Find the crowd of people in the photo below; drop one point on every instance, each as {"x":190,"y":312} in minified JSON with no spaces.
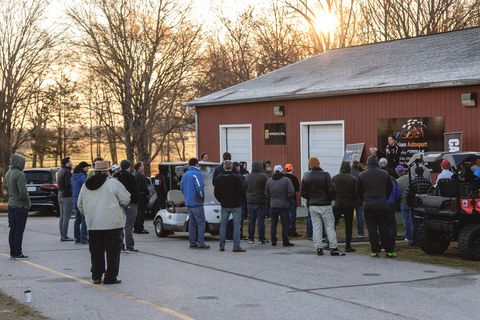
{"x":110,"y":204}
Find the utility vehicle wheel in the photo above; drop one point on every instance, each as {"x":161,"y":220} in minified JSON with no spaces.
{"x":431,"y":243}
{"x":159,"y":229}
{"x":469,"y":242}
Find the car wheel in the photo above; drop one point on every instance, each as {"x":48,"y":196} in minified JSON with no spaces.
{"x":431,"y":243}
{"x":159,"y":229}
{"x":469,"y":242}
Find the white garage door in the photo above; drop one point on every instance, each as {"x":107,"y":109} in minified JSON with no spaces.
{"x":325,"y":141}
{"x":238,"y":141}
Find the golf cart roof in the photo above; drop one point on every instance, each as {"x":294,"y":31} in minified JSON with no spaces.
{"x":457,"y":158}
{"x":427,"y":157}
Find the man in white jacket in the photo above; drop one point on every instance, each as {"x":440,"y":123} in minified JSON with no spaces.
{"x":101,"y":200}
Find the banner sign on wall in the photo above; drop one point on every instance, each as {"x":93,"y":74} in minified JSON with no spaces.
{"x":353,"y":152}
{"x":413,"y":135}
{"x":275,"y":133}
{"x":453,"y":141}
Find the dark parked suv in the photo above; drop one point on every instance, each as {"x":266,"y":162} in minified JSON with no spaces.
{"x":42,"y":189}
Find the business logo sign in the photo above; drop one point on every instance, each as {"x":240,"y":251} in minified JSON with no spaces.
{"x":453,"y":141}
{"x":275,"y":133}
{"x":413,"y":135}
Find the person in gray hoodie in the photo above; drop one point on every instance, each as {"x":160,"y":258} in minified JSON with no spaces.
{"x":279,"y":192}
{"x":18,"y":205}
{"x":254,"y":185}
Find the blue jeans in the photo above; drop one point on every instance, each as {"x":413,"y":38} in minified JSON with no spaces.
{"x":79,"y":227}
{"x":359,"y":214}
{"x":256,"y":213}
{"x":17,"y":219}
{"x":196,"y":226}
{"x":407,"y":221}
{"x":237,"y":220}
{"x":292,"y":219}
{"x":309,"y":225}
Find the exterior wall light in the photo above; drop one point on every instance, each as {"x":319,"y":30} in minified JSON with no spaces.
{"x":278,"y":111}
{"x":469,"y":99}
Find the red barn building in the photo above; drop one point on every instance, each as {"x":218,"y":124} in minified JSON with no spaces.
{"x":352,"y":95}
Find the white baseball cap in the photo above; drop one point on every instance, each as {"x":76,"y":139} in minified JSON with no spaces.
{"x":278,"y":168}
{"x":115,"y":167}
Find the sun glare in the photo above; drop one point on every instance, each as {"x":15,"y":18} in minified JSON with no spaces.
{"x":325,"y":22}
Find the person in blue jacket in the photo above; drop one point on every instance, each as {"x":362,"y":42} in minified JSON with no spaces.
{"x":193,"y":188}
{"x":393,"y":197}
{"x":78,"y":179}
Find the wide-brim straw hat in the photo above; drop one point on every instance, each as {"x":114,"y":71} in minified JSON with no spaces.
{"x":102,"y":166}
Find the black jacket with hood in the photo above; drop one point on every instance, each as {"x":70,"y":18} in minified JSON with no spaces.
{"x":229,"y":191}
{"x":318,"y":188}
{"x":374,"y":186}
{"x":254,"y":184}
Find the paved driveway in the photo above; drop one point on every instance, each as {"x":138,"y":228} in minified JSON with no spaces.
{"x":166,"y":280}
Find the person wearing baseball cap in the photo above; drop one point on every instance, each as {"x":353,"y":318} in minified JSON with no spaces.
{"x":292,"y":226}
{"x":115,"y":169}
{"x":101,"y":201}
{"x":446,"y":174}
{"x":79,"y":177}
{"x":279,"y":192}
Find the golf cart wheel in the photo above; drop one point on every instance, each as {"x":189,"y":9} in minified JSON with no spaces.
{"x":469,"y":242}
{"x":431,"y":243}
{"x":159,"y":229}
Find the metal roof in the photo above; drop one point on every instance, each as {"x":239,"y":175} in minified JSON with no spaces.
{"x":440,"y":60}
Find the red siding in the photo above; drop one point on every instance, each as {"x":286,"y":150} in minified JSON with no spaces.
{"x":360,"y":113}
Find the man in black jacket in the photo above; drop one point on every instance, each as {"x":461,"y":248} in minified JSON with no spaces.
{"x":319,"y":191}
{"x":160,"y":188}
{"x":229,"y":192}
{"x":374,"y":187}
{"x":292,"y":219}
{"x":255,"y":187}
{"x":219,"y":169}
{"x":143,"y":193}
{"x":345,"y":201}
{"x":128,"y":181}
{"x":65,"y":202}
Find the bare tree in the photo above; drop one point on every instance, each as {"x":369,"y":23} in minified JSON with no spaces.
{"x":146,"y":52}
{"x":394,"y":19}
{"x":26,"y":53}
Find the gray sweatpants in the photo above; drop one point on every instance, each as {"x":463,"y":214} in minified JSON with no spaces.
{"x":323,"y":215}
{"x":131,"y":214}
{"x":66,"y":206}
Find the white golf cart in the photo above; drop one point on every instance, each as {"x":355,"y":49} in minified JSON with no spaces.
{"x":175,"y":216}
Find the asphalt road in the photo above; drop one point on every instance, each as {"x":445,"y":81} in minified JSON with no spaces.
{"x":166,"y":280}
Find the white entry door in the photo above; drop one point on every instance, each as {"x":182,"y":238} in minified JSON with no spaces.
{"x":237,"y":139}
{"x":324,"y":140}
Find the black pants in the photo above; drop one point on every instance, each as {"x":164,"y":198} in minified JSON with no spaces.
{"x":17,"y":219}
{"x":141,"y":208}
{"x":377,"y":226}
{"x":274,"y":214}
{"x":101,"y":242}
{"x":348,"y":215}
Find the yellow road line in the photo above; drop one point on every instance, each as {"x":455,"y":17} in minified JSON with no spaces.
{"x":128,"y":296}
